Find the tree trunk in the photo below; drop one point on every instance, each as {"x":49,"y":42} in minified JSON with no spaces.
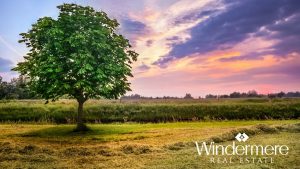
{"x":80,"y":117}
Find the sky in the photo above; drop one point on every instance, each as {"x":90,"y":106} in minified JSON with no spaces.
{"x":188,"y":46}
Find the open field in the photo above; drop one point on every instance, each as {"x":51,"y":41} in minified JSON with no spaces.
{"x":151,"y":110}
{"x":133,"y":145}
{"x":30,"y":137}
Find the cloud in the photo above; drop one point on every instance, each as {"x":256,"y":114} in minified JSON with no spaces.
{"x":130,"y":26}
{"x":239,"y":21}
{"x":143,"y":67}
{"x":215,"y":46}
{"x":287,"y":31}
{"x":163,"y":28}
{"x":149,"y":43}
{"x":132,"y":29}
{"x":289,"y":68}
{"x":5,"y":65}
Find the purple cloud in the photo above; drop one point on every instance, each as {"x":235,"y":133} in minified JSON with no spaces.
{"x":130,"y":26}
{"x":143,"y":67}
{"x":237,"y":22}
{"x":5,"y":65}
{"x":132,"y":29}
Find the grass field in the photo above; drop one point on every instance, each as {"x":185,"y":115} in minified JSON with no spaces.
{"x":123,"y":135}
{"x":154,"y":110}
{"x":134,"y":145}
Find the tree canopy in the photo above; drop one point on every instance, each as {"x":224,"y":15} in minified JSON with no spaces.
{"x":79,"y":54}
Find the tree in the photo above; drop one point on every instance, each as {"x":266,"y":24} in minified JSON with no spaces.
{"x":280,"y":94}
{"x":235,"y":95}
{"x":252,"y":93}
{"x":2,"y":89}
{"x":15,"y":89}
{"x":210,"y":96}
{"x":79,"y":54}
{"x":188,"y":96}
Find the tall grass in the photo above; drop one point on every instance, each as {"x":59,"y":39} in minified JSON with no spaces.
{"x":158,"y":110}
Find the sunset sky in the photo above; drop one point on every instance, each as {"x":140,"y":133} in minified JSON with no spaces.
{"x":189,"y":46}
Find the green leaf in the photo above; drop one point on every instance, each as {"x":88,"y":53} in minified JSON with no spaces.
{"x":67,"y":86}
{"x":82,"y":71}
{"x":88,"y":67}
{"x":49,"y":70}
{"x":78,"y":52}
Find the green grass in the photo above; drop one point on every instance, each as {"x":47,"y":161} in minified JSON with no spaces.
{"x":156,"y":110}
{"x":31,"y":139}
{"x":134,"y":145}
{"x":117,"y":131}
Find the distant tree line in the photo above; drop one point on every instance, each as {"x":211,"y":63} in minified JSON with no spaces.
{"x":249,"y":94}
{"x":253,"y":93}
{"x":16,"y":89}
{"x":137,"y":96}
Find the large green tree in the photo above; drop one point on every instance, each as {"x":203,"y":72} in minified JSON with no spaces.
{"x":79,"y":54}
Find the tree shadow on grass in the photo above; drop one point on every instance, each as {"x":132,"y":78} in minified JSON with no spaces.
{"x":66,"y":132}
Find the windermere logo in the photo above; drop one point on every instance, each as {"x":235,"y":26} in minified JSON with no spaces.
{"x":241,"y":153}
{"x":241,"y":137}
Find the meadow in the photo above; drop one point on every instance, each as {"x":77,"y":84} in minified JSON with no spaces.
{"x":161,"y":145}
{"x":150,"y":110}
{"x":143,"y":133}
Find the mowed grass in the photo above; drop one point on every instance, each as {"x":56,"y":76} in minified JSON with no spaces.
{"x":135,"y":145}
{"x":187,"y":157}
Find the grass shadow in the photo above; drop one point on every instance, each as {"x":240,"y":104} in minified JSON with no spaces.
{"x":67,"y":132}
